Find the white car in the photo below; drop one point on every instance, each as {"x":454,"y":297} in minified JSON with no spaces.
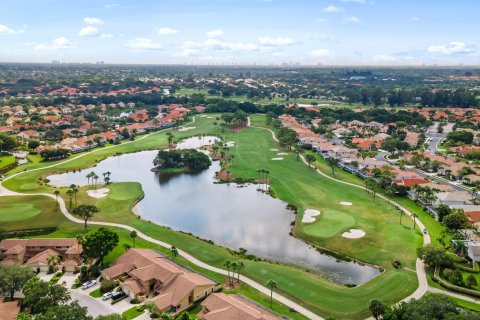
{"x":89,"y":284}
{"x":107,"y":296}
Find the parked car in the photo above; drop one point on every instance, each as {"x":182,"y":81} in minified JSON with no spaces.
{"x":107,"y":296}
{"x":89,"y":284}
{"x":118,"y":295}
{"x":425,"y":231}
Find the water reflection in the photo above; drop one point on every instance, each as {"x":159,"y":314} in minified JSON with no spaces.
{"x":237,"y":217}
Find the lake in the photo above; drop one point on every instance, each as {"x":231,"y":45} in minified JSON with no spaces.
{"x":232,"y":215}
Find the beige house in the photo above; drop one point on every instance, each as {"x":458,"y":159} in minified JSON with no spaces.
{"x":220,"y":306}
{"x":153,"y":276}
{"x":36,"y":253}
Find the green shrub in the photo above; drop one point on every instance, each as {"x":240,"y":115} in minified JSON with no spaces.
{"x":107,"y":285}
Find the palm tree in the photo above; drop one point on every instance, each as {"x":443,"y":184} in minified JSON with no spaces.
{"x":240,"y":267}
{"x":310,"y":158}
{"x":133,"y":235}
{"x":299,"y":151}
{"x":174,"y":251}
{"x":234,"y":266}
{"x":95,"y":177}
{"x":414,"y":220}
{"x":74,"y":192}
{"x":70,"y":197}
{"x":170,"y":138}
{"x":271,"y":284}
{"x":126,"y":246}
{"x":228,"y":264}
{"x":85,"y":212}
{"x":56,"y":193}
{"x":88,"y":176}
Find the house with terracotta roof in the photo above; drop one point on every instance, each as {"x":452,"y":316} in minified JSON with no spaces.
{"x":220,"y":306}
{"x":36,"y":252}
{"x":154,"y":277}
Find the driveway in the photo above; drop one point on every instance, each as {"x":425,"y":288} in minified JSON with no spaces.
{"x":96,"y":306}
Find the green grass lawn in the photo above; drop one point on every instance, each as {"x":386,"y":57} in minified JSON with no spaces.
{"x":132,"y":313}
{"x":96,"y":293}
{"x":28,"y":212}
{"x":5,"y":162}
{"x":291,"y":181}
{"x":465,"y":304}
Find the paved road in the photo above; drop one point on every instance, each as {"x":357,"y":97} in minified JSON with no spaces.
{"x":434,"y":138}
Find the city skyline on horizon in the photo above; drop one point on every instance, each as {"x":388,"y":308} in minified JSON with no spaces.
{"x":232,"y":32}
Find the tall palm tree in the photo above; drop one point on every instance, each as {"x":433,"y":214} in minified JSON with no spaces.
{"x":133,"y":235}
{"x":70,"y":197}
{"x":228,"y":264}
{"x":271,"y":284}
{"x":234,"y":266}
{"x":95,"y":177}
{"x":75,"y":190}
{"x":88,"y":176}
{"x":240,"y":267}
{"x":414,"y":220}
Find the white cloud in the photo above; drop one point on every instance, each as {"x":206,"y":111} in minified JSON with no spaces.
{"x":143,"y":44}
{"x":233,"y":46}
{"x":106,"y":36}
{"x":88,"y":31}
{"x":57,"y":43}
{"x":279,"y":41}
{"x":89,"y":20}
{"x":384,"y":58}
{"x":354,"y":20}
{"x":214,"y":33}
{"x":7,"y":30}
{"x":279,"y":54}
{"x":166,"y":31}
{"x":332,"y":9}
{"x":454,"y":47}
{"x":321,"y":53}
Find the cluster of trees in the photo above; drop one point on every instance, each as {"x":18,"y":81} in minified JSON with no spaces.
{"x":460,"y":137}
{"x":235,"y":120}
{"x":7,"y":142}
{"x":189,"y":158}
{"x":393,"y":145}
{"x":287,"y":137}
{"x":426,"y":97}
{"x":54,"y":154}
{"x":430,"y":306}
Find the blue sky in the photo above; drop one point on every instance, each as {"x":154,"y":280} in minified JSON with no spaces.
{"x":345,"y":32}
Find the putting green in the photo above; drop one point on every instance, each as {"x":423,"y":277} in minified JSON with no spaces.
{"x":18,"y":212}
{"x":29,"y":186}
{"x":329,"y":223}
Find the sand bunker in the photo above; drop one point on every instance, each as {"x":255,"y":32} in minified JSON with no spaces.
{"x":282,"y":154}
{"x":309,"y":215}
{"x":230,"y":144}
{"x":354,"y":234}
{"x":277,"y":159}
{"x":344,"y":203}
{"x":98,"y":193}
{"x":273,"y":149}
{"x":186,"y":128}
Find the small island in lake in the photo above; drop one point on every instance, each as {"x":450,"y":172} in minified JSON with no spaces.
{"x":177,"y":161}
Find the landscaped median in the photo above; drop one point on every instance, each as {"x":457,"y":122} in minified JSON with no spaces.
{"x":291,"y":181}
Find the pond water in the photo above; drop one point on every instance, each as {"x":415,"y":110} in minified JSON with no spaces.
{"x":236,"y":216}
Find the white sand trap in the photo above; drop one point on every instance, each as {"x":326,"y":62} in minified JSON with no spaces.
{"x":309,"y":215}
{"x":98,"y":193}
{"x":354,"y":234}
{"x":209,"y":117}
{"x":282,"y":154}
{"x":344,"y":203}
{"x":186,"y":128}
{"x":203,"y":116}
{"x":230,"y":144}
{"x":277,"y":159}
{"x":273,"y":149}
